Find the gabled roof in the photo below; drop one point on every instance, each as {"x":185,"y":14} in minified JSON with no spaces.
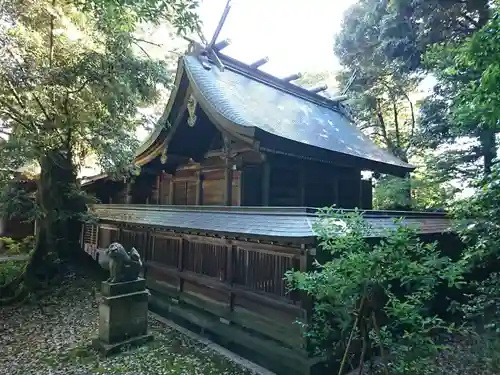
{"x":278,"y":116}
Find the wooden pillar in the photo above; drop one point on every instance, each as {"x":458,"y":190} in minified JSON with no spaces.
{"x":266,"y":182}
{"x":171,"y":190}
{"x":302,"y":184}
{"x":2,"y":229}
{"x":228,"y":175}
{"x":128,"y":192}
{"x":198,"y":188}
{"x":158,"y":188}
{"x":336,"y":185}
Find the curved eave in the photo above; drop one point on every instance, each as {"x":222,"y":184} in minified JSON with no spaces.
{"x":154,"y":145}
{"x":267,"y":142}
{"x":240,"y":130}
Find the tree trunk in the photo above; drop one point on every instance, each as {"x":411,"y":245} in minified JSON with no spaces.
{"x":61,"y":205}
{"x":488,"y":148}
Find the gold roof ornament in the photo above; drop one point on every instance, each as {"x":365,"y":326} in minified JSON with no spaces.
{"x":164,"y":158}
{"x":191,"y":108}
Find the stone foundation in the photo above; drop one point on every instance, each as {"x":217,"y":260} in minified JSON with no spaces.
{"x":123,"y":316}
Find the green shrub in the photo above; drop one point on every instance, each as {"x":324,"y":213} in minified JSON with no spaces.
{"x":479,"y":216}
{"x":18,"y":247}
{"x":374,"y":300}
{"x":10,"y":270}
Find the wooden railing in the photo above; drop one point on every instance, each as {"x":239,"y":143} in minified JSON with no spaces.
{"x":225,"y":280}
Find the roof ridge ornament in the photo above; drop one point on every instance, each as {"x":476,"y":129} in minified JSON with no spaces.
{"x":206,"y":51}
{"x":259,"y":63}
{"x":292,"y":77}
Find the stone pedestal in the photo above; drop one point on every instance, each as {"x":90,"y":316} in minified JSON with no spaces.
{"x":123,"y":316}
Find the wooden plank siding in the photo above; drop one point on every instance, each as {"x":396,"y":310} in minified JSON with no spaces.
{"x":234,"y":283}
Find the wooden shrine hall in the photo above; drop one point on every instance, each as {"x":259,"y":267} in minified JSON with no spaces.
{"x":220,"y":210}
{"x":241,"y":137}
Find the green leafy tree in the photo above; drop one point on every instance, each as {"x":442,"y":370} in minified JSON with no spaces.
{"x":430,"y":191}
{"x":71,"y":84}
{"x":379,"y":296}
{"x":435,"y":34}
{"x":310,"y":80}
{"x":381,"y":92}
{"x":479,"y":229}
{"x":393,"y":45}
{"x":470,"y":71}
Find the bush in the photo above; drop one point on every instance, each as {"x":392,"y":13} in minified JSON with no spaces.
{"x":374,"y":300}
{"x":479,"y":216}
{"x":10,"y":270}
{"x":18,"y":247}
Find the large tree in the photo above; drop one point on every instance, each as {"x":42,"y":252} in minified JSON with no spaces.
{"x":465,"y":102}
{"x":381,"y":92}
{"x":431,"y":35}
{"x":71,"y":83}
{"x":392,"y":45}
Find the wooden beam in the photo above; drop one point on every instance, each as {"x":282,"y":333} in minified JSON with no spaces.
{"x":219,"y":46}
{"x":318,"y":89}
{"x":218,"y":29}
{"x":292,"y":77}
{"x":259,"y":63}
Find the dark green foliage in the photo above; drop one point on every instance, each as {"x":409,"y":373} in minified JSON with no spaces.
{"x":480,"y":231}
{"x":10,"y":270}
{"x":393,"y":45}
{"x":71,"y":85}
{"x":381,"y":294}
{"x":13,"y":247}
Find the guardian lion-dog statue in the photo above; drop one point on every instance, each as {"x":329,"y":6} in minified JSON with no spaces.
{"x":123,"y":266}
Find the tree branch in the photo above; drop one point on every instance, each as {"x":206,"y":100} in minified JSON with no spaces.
{"x":471,"y":20}
{"x":146,"y":41}
{"x":14,"y":92}
{"x":142,"y":49}
{"x":396,"y":123}
{"x":41,"y":107}
{"x":381,"y":120}
{"x":51,"y":36}
{"x":80,"y":88}
{"x":16,"y":119}
{"x":413,"y":122}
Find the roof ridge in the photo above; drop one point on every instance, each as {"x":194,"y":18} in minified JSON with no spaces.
{"x":256,"y":74}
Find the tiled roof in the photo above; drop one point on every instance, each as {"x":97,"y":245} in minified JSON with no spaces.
{"x":275,"y":222}
{"x":253,"y":103}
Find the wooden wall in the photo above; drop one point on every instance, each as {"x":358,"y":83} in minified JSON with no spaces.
{"x":257,"y":180}
{"x":196,"y":184}
{"x":279,"y":181}
{"x":286,"y":181}
{"x":231,"y":288}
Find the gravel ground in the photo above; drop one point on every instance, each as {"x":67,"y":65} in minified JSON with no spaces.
{"x":54,"y":337}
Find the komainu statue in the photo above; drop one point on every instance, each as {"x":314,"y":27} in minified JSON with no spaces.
{"x":123,"y":265}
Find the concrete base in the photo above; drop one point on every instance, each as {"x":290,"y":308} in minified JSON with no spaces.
{"x":123,"y":316}
{"x":109,"y":349}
